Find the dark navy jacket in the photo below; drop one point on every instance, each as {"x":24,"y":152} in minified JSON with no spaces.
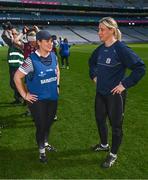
{"x":109,"y":65}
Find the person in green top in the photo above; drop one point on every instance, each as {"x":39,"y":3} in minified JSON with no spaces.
{"x":15,"y":58}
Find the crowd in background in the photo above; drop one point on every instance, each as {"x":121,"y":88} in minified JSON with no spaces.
{"x":21,"y":45}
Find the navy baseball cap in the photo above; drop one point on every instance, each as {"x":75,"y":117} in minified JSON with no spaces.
{"x":43,"y":35}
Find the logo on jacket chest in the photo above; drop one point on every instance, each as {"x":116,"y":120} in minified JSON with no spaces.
{"x":108,"y":60}
{"x":42,"y":74}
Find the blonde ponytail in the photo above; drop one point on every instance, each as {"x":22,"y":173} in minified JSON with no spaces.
{"x":118,"y":34}
{"x":112,"y":24}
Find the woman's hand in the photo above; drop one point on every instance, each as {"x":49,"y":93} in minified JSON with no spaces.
{"x":95,"y":80}
{"x":118,"y":89}
{"x":30,"y":97}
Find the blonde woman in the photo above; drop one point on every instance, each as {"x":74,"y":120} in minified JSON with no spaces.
{"x":107,"y":66}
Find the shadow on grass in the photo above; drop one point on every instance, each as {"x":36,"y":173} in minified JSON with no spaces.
{"x":9,"y":104}
{"x":15,"y":121}
{"x":23,"y":163}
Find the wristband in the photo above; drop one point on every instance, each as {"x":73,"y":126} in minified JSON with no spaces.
{"x":58,"y":86}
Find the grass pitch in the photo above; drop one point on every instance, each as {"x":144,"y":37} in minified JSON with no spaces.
{"x":75,"y":130}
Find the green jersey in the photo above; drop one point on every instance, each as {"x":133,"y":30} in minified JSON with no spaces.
{"x":15,"y":56}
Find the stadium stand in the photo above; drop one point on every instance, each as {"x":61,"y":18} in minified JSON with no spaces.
{"x":64,"y":31}
{"x":77,"y":20}
{"x":132,"y":33}
{"x":88,"y":3}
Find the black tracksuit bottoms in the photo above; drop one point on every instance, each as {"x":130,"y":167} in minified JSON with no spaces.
{"x":43,"y":113}
{"x":66,"y":59}
{"x":111,"y":106}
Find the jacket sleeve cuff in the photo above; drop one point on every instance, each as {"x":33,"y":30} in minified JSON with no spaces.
{"x":126,"y":83}
{"x":92,"y":76}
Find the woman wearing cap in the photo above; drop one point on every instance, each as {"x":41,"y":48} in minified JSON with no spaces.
{"x":42,"y":79}
{"x":107,"y":66}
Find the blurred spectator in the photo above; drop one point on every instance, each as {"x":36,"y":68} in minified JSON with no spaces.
{"x":60,"y":42}
{"x":30,"y":46}
{"x":30,"y":41}
{"x":1,"y":43}
{"x":15,"y":55}
{"x":55,"y":44}
{"x":65,"y":53}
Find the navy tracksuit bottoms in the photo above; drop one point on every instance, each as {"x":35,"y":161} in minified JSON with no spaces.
{"x":111,"y":106}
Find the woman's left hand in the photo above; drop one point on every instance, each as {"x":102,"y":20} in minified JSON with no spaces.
{"x":118,"y":89}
